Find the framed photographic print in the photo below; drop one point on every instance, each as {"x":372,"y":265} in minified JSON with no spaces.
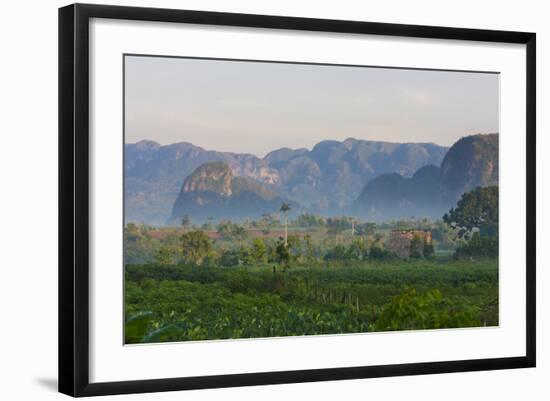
{"x":250,"y":199}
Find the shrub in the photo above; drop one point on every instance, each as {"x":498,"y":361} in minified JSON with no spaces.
{"x":479,"y":246}
{"x":412,"y":311}
{"x":376,"y":252}
{"x":196,"y":247}
{"x":416,"y":247}
{"x":259,"y":250}
{"x":164,"y":256}
{"x":428,"y":249}
{"x":283,"y":253}
{"x":229,"y":258}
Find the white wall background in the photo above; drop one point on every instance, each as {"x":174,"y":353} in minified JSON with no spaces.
{"x":28,"y":201}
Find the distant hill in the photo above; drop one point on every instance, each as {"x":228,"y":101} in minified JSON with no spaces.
{"x":330,"y":176}
{"x":471,"y":162}
{"x":212,"y":191}
{"x":154,"y":175}
{"x":326,"y":179}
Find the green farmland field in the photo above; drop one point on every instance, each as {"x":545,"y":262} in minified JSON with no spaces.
{"x":207,"y":302}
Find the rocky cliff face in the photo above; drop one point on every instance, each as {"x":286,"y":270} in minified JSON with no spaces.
{"x":471,"y":162}
{"x":210,"y":177}
{"x":212,"y":190}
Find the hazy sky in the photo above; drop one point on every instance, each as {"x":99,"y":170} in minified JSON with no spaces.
{"x":257,"y":107}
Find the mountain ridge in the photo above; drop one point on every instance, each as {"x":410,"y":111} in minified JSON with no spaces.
{"x":327,"y":178}
{"x":471,"y":162}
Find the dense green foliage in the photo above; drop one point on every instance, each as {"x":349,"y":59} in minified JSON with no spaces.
{"x":412,"y":311}
{"x":185,"y":302}
{"x":475,"y":219}
{"x":477,"y":210}
{"x":479,"y":246}
{"x":196,"y":247}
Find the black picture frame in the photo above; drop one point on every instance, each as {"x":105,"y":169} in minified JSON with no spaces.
{"x":74,"y":198}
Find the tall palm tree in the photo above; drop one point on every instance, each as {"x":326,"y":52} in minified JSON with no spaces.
{"x":285,"y":208}
{"x":185,"y":221}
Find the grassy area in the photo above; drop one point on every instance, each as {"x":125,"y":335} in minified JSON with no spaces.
{"x":179,"y":303}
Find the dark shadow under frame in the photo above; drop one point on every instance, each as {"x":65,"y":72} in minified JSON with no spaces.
{"x":74,"y":199}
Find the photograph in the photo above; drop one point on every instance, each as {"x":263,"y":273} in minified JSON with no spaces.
{"x":274,"y":198}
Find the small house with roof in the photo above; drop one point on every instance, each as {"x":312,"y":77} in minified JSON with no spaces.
{"x":399,"y":241}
